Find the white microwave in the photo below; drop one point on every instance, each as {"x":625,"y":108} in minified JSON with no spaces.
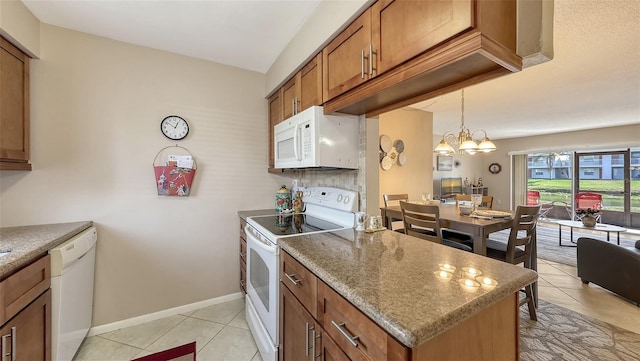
{"x":311,"y":139}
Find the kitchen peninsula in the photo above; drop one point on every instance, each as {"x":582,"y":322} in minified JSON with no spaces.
{"x":406,"y":287}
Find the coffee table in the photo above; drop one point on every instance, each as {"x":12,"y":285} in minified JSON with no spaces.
{"x":601,"y":227}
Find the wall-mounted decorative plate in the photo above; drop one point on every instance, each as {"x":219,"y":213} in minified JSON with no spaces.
{"x":385,"y":143}
{"x":399,"y":145}
{"x":386,"y":163}
{"x":402,"y":159}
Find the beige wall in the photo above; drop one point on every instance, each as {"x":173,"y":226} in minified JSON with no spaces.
{"x":587,"y":140}
{"x":329,"y":18}
{"x":96,"y":108}
{"x":415,"y":128}
{"x":20,"y":26}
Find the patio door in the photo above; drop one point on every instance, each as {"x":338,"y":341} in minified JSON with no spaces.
{"x":609,"y":174}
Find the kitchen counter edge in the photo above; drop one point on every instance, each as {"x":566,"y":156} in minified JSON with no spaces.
{"x":29,"y":242}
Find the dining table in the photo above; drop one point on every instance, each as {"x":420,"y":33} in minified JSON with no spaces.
{"x":478,"y":227}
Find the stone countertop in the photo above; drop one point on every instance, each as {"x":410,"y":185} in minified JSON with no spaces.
{"x":261,"y":212}
{"x":392,"y":278}
{"x":28,"y":242}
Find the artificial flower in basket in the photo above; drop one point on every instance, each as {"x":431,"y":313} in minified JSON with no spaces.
{"x":588,"y":216}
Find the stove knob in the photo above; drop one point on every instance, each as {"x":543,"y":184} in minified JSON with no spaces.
{"x":346,"y":200}
{"x":339,"y":197}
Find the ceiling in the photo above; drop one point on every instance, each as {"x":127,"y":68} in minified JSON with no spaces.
{"x":593,"y":80}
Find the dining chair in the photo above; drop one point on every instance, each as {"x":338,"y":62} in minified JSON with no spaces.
{"x":487,"y":201}
{"x":423,"y":221}
{"x":463,"y":197}
{"x":518,"y":248}
{"x":394,"y":200}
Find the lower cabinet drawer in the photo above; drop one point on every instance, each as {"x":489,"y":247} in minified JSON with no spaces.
{"x":24,"y":286}
{"x":300,"y":281}
{"x":357,"y":335}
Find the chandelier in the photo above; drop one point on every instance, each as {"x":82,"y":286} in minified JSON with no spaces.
{"x":465,"y":142}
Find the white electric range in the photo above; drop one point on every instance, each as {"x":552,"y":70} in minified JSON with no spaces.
{"x":326,"y":209}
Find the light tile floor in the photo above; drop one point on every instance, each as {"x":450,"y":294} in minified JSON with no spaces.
{"x":221,"y":331}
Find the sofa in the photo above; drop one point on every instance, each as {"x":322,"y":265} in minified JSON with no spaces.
{"x":610,"y":266}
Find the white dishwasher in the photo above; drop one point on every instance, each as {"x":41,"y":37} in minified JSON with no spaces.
{"x":72,"y":270}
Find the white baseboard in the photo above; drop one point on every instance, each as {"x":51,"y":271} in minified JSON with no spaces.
{"x":96,"y":330}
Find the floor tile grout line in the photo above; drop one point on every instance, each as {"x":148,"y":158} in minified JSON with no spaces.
{"x":121,"y":343}
{"x":169,"y":330}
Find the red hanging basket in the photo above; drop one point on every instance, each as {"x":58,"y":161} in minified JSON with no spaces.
{"x":172,"y":180}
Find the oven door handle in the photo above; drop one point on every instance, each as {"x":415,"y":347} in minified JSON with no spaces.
{"x":253,"y":240}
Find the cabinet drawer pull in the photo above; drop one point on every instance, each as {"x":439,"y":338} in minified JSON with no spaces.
{"x":371,"y":52}
{"x":351,"y":339}
{"x":13,"y":345}
{"x":306,"y":338}
{"x":362,"y":65}
{"x":313,"y":347}
{"x":292,"y":278}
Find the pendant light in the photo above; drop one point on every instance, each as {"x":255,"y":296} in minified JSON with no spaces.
{"x":464,"y":141}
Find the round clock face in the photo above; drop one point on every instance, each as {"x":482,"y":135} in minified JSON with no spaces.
{"x":174,"y":127}
{"x":495,"y":168}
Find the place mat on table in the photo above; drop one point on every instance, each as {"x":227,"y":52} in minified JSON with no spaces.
{"x":489,"y":213}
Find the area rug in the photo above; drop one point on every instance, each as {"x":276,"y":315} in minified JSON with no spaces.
{"x":562,"y":334}
{"x":186,"y":352}
{"x":548,"y":248}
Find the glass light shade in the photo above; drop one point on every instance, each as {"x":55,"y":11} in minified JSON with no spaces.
{"x":444,"y":148}
{"x":487,"y":146}
{"x":469,"y":146}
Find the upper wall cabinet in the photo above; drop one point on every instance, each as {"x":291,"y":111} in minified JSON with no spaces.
{"x":275,"y":117}
{"x":422,"y":49}
{"x":14,"y":108}
{"x":404,"y":29}
{"x":304,"y":89}
{"x":310,"y":89}
{"x":346,"y":59}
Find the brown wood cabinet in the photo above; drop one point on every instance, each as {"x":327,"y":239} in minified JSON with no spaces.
{"x":301,"y":336}
{"x":424,"y":49}
{"x":354,"y":333}
{"x":25,"y":312}
{"x":275,"y":117}
{"x":310,"y":80}
{"x":314,"y":317}
{"x":14,"y":108}
{"x":402,"y":29}
{"x":29,"y":332}
{"x":243,"y":257}
{"x":346,"y":60}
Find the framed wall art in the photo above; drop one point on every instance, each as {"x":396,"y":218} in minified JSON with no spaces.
{"x":445,"y":162}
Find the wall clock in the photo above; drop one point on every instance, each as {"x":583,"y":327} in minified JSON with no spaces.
{"x":174,"y":127}
{"x":495,"y":168}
